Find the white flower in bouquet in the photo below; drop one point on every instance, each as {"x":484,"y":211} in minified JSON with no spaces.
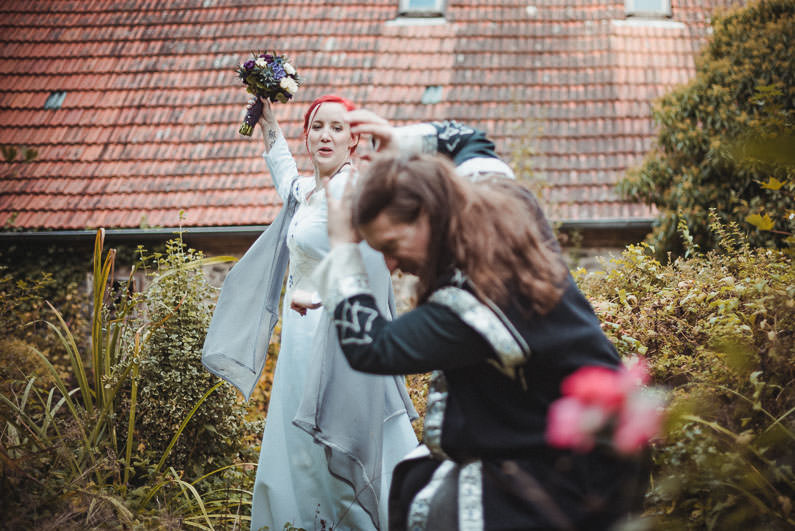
{"x":288,"y":84}
{"x":261,"y":62}
{"x":289,"y":69}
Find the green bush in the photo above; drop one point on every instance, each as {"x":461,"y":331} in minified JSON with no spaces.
{"x":70,"y":454}
{"x":718,"y":330}
{"x":172,"y":378}
{"x":710,"y":131}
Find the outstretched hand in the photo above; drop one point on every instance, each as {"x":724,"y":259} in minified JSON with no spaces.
{"x":340,"y":215}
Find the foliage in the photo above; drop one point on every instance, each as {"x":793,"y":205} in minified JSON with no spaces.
{"x":66,"y":453}
{"x":172,"y":378}
{"x":725,"y":135}
{"x":31,"y":275}
{"x":719,"y":330}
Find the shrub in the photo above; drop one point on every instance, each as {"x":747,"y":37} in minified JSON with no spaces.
{"x":742,"y":94}
{"x":172,"y":378}
{"x":67,"y":449}
{"x":718,"y":329}
{"x":31,"y":275}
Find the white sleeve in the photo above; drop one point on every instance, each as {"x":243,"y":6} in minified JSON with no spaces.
{"x":340,"y":275}
{"x":281,"y":164}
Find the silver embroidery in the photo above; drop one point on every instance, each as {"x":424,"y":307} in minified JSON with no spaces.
{"x":452,"y":133}
{"x":434,"y":413}
{"x":486,"y":323}
{"x":420,"y":507}
{"x":345,"y":288}
{"x":350,"y":329}
{"x":470,"y":497}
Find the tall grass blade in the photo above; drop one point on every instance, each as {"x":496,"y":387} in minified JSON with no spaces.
{"x":217,"y":470}
{"x":195,"y":264}
{"x":182,"y":426}
{"x":133,"y":402}
{"x":59,"y":383}
{"x":99,"y":293}
{"x":70,"y":344}
{"x":97,"y":322}
{"x":187,"y":486}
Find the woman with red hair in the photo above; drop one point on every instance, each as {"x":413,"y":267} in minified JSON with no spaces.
{"x":332,"y":435}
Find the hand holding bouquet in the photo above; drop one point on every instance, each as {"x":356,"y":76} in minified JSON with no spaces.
{"x":266,"y":76}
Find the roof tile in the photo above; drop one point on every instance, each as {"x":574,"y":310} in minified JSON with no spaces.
{"x":149,"y":122}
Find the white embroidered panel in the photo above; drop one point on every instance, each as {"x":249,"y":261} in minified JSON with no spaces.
{"x":470,"y":497}
{"x":435,"y":405}
{"x":420,"y":508}
{"x":484,"y":321}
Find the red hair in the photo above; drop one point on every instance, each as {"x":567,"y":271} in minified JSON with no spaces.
{"x":325,"y":98}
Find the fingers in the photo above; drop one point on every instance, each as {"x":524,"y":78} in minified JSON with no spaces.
{"x":380,"y":131}
{"x":364,"y":122}
{"x":350,"y":188}
{"x":360,"y":116}
{"x":339,"y":221}
{"x":298,"y":308}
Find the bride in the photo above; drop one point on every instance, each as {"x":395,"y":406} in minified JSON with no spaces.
{"x":332,"y":435}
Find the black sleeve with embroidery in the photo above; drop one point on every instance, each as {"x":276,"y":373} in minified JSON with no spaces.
{"x":461,"y":142}
{"x":427,"y":338}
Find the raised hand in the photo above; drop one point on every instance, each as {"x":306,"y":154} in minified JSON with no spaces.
{"x":364,"y":122}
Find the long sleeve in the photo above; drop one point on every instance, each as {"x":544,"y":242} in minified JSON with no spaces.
{"x":469,"y":148}
{"x":281,"y":164}
{"x":427,"y":338}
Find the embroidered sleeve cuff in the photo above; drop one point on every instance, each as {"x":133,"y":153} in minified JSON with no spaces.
{"x":341,"y":275}
{"x":417,"y":138}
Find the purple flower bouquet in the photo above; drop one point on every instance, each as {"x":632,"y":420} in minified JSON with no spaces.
{"x":270,"y":76}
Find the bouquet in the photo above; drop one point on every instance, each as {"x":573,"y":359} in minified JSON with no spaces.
{"x":266,"y":76}
{"x":600,"y":401}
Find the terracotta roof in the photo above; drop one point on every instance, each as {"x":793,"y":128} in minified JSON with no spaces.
{"x":151,"y":104}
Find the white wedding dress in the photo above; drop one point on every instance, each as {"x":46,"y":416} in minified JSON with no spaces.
{"x":293,"y":483}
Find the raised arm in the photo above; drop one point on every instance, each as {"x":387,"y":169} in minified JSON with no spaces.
{"x":280,"y":161}
{"x":470,"y":149}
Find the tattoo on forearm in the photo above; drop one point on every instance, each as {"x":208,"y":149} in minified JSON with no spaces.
{"x":271,"y":138}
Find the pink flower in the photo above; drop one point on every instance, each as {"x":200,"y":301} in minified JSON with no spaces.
{"x":598,"y":386}
{"x":597,"y":397}
{"x":639,"y":421}
{"x":634,"y":373}
{"x":572,"y":424}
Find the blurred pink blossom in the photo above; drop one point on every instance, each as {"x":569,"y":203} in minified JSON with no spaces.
{"x":598,"y":386}
{"x":596,"y":398}
{"x":572,"y":424}
{"x":639,"y":421}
